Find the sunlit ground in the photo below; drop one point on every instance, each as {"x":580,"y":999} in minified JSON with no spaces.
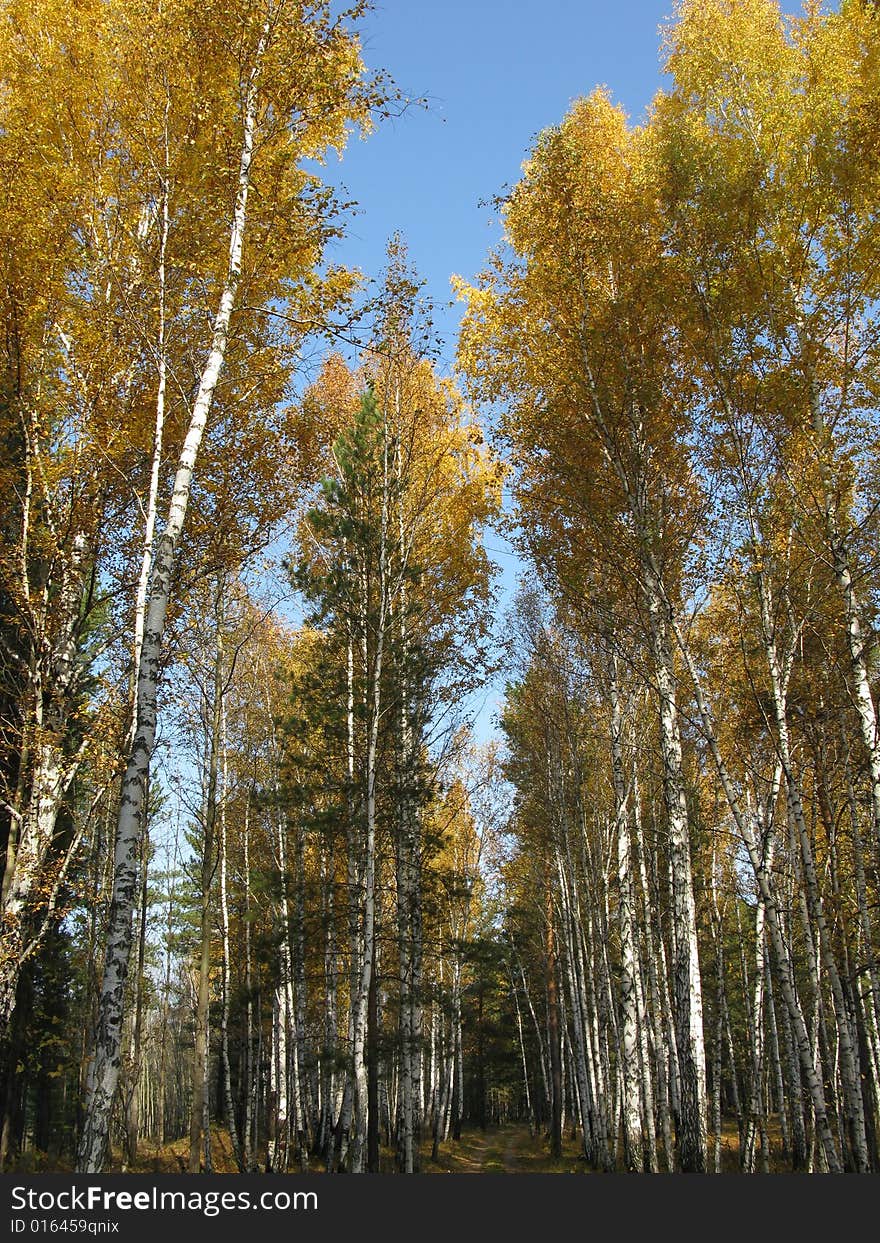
{"x":508,"y":1149}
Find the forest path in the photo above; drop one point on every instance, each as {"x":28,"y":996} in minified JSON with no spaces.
{"x":507,"y":1149}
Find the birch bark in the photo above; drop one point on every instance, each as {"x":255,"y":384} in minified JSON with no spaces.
{"x":629,"y":1050}
{"x":808,"y":1060}
{"x":52,"y":678}
{"x":688,"y":1009}
{"x":104,"y":1072}
{"x":375,"y":628}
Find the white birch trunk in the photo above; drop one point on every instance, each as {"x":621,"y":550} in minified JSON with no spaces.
{"x":542,"y":1056}
{"x":152,"y":507}
{"x":664,"y":1054}
{"x":359,"y":1049}
{"x":633,"y":1145}
{"x":840,"y":549}
{"x":848,"y":1053}
{"x":865,"y":923}
{"x":688,"y":1007}
{"x":32,"y":828}
{"x":522,"y":1049}
{"x":580,"y":1054}
{"x":279,"y":1121}
{"x":755,"y":1122}
{"x":808,"y":1060}
{"x":375,"y":620}
{"x":104,"y":1072}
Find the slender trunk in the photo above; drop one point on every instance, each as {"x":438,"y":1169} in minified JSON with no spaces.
{"x":251,"y":1070}
{"x":135,"y":1056}
{"x":228,"y":1099}
{"x":359,"y":1049}
{"x":303,"y":1084}
{"x":649,"y":1144}
{"x":776,"y":1059}
{"x":374,"y":621}
{"x":688,"y":1001}
{"x":664,"y":1055}
{"x":278,"y":1116}
{"x":580,"y":1059}
{"x":755,"y":1122}
{"x":151,"y":509}
{"x":522,"y":1050}
{"x":201,"y":1051}
{"x":30,"y":882}
{"x":457,"y":1106}
{"x":553,"y":1034}
{"x":848,"y":1054}
{"x":166,"y":1004}
{"x":331,"y":985}
{"x":839,"y":546}
{"x":865,"y":920}
{"x":801,"y":1035}
{"x":372,"y":1164}
{"x":717,"y":1062}
{"x":105,"y":1064}
{"x":542,"y":1057}
{"x":354,"y":878}
{"x":633,"y":1148}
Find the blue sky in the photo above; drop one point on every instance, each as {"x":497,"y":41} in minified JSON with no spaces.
{"x":494,"y":74}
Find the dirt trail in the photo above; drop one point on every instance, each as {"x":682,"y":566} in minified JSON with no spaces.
{"x":504,"y":1150}
{"x":508,"y":1149}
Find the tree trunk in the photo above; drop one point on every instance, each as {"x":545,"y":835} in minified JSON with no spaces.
{"x":201,"y":1050}
{"x":855,"y":1121}
{"x":251,"y":1072}
{"x":553,"y":1033}
{"x":664,"y":1055}
{"x":801,"y":1035}
{"x":132,"y":1122}
{"x":29,"y":879}
{"x":688,"y":1007}
{"x":104,"y":1072}
{"x":633,"y":1146}
{"x":228,"y":1099}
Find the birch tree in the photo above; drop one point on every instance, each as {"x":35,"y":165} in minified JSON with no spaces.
{"x":311,"y":105}
{"x":570,"y":329}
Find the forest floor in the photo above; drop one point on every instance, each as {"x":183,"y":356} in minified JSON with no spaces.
{"x":507,"y":1149}
{"x":511,"y":1149}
